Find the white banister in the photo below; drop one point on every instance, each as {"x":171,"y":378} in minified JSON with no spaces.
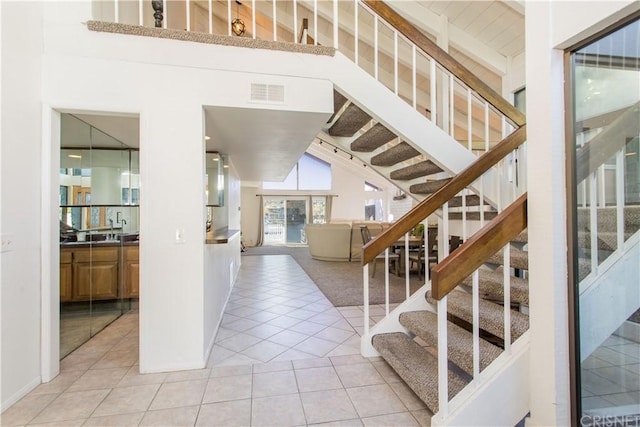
{"x":486,"y":127}
{"x":140,"y":13}
{"x":395,"y":62}
{"x":355,"y":31}
{"x":315,"y":22}
{"x":375,"y":46}
{"x":275,"y":22}
{"x":116,"y":10}
{"x":209,"y":8}
{"x":228,"y":17}
{"x":452,"y":97}
{"x":166,"y":14}
{"x":295,"y":21}
{"x":386,"y":281}
{"x":603,"y":188}
{"x":414,"y":86}
{"x":253,"y":20}
{"x":432,"y":90}
{"x":469,"y":119}
{"x":335,"y":24}
{"x":406,"y":265}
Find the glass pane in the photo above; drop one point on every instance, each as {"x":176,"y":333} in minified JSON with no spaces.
{"x":273,"y":221}
{"x":606,"y":79}
{"x":296,"y":220}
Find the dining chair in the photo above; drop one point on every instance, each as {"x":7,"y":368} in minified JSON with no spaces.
{"x":425,"y":254}
{"x":393,"y":257}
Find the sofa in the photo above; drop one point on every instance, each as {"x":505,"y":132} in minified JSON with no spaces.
{"x":339,"y":240}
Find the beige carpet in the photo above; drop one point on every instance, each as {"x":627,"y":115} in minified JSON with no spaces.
{"x":341,"y":282}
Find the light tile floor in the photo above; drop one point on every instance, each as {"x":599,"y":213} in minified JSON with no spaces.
{"x":284,"y":356}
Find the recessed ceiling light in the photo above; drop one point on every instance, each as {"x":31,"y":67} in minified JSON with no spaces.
{"x":75,"y":156}
{"x":207,"y":137}
{"x":632,"y":153}
{"x":215,"y":159}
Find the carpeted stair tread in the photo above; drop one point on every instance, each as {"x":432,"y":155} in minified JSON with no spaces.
{"x":491,"y":287}
{"x":373,"y":138}
{"x":428,"y":187}
{"x":470,"y":200}
{"x":519,"y":259}
{"x":584,"y":268}
{"x":394,"y":155}
{"x":350,"y":121}
{"x":523,"y":237}
{"x":459,"y":304}
{"x":416,"y":366}
{"x":607,"y":240}
{"x":474,"y":215}
{"x":338,"y":102}
{"x":416,"y":170}
{"x":424,"y":324}
{"x":607,"y":218}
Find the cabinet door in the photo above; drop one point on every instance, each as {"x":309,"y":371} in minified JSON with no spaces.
{"x":65,"y":282}
{"x":131,"y":272}
{"x":95,"y":281}
{"x":65,"y":275}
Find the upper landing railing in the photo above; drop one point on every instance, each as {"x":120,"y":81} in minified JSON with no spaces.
{"x":368,"y":32}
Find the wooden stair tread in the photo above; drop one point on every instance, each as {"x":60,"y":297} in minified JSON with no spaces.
{"x":350,"y":121}
{"x":416,"y":366}
{"x":416,"y":170}
{"x":373,"y":138}
{"x":459,"y":304}
{"x":394,"y":155}
{"x":424,"y":324}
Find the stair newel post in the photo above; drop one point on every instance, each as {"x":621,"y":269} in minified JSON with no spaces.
{"x":158,"y":10}
{"x":476,"y":323}
{"x":443,"y":366}
{"x":506,"y":278}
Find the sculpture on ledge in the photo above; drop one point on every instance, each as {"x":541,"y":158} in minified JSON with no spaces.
{"x":158,"y":10}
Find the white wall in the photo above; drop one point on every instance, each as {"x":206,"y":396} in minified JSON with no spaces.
{"x":20,"y":204}
{"x":551,"y":25}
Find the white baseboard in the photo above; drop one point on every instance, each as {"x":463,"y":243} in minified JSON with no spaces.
{"x":6,"y":404}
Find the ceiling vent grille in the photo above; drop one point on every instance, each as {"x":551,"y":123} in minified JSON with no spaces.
{"x":261,"y":92}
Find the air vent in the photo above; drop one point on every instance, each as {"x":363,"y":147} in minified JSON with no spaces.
{"x":261,"y":92}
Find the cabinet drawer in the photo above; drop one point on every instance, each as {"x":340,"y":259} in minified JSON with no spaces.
{"x":96,"y":255}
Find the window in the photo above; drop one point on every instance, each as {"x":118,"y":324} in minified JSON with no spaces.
{"x":310,"y":173}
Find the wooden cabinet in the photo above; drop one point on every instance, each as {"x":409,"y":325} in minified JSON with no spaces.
{"x":97,"y":273}
{"x":65,"y":275}
{"x":131,"y":288}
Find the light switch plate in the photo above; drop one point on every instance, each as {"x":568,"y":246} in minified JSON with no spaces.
{"x":180,"y":235}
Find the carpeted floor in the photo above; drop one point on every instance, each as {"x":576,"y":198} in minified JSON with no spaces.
{"x":341,"y":282}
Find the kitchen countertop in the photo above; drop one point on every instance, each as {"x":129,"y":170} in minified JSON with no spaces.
{"x":99,"y":243}
{"x":221,"y":236}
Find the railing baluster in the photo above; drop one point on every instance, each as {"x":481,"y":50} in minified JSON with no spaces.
{"x":275,"y":22}
{"x":228,"y":17}
{"x":210,"y":7}
{"x":375,"y":46}
{"x":475,"y":301}
{"x":386,"y":281}
{"x":593,"y":208}
{"x":365,"y":291}
{"x":406,"y":264}
{"x":116,"y":10}
{"x":432,"y":89}
{"x":315,"y":22}
{"x":188,"y":15}
{"x":166,"y":14}
{"x":395,"y":62}
{"x":355,"y":30}
{"x":443,"y":369}
{"x":452,"y":121}
{"x":469,"y":119}
{"x":506,"y":278}
{"x":486,"y":127}
{"x":414,"y":76}
{"x":253,"y":20}
{"x":295,"y":21}
{"x":140,"y":13}
{"x":481,"y":201}
{"x":335,"y":24}
{"x":603,"y":189}
{"x":620,"y":198}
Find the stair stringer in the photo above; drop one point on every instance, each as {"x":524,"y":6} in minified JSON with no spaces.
{"x":391,"y":323}
{"x":407,"y":123}
{"x":482,"y":401}
{"x":611,"y":284}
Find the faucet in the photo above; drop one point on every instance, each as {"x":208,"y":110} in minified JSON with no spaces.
{"x":111,"y":235}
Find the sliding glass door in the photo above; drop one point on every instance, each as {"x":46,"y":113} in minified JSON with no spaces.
{"x":284,"y":220}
